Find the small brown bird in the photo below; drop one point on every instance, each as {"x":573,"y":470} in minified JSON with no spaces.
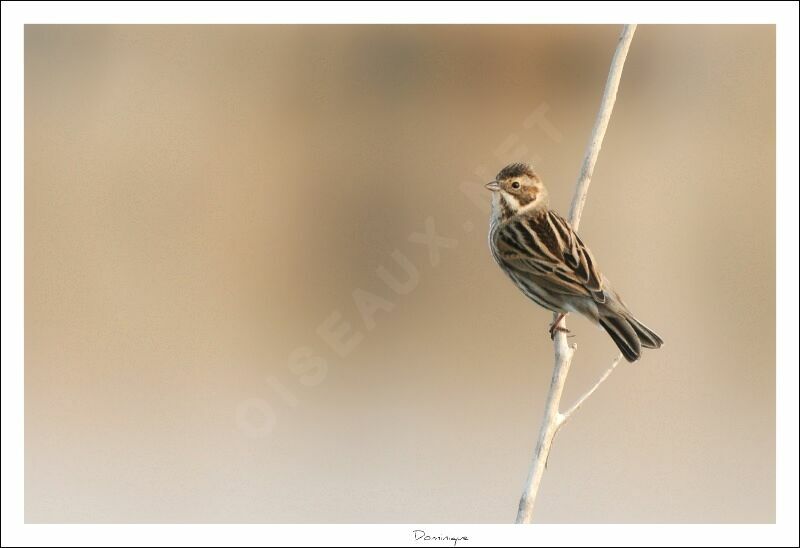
{"x":547,"y":260}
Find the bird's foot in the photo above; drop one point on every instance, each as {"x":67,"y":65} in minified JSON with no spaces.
{"x":555,"y":328}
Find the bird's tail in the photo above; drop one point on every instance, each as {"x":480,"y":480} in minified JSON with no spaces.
{"x":629,"y":334}
{"x":647,"y":336}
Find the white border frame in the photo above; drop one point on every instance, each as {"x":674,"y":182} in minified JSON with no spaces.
{"x":15,"y":15}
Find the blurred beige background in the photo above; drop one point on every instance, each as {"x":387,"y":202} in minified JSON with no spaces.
{"x":200,"y":200}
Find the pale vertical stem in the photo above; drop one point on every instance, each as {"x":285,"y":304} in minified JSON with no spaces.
{"x":600,"y":125}
{"x":550,"y":423}
{"x":553,"y":419}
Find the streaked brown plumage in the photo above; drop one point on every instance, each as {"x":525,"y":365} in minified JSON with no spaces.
{"x":550,"y":264}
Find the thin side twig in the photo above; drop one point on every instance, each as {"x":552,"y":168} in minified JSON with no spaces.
{"x":564,"y":352}
{"x":568,"y":413}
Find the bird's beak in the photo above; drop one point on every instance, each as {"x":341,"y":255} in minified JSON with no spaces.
{"x":493,"y":186}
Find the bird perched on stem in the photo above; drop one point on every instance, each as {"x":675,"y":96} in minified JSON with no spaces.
{"x":550,"y":264}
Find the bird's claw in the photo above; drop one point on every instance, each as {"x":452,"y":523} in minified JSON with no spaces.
{"x":555,"y":329}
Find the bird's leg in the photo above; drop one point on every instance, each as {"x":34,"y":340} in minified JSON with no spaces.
{"x":554,"y":327}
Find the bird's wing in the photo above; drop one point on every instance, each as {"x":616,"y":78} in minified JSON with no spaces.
{"x":549,"y":251}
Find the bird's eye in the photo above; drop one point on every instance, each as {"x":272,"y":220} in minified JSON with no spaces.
{"x":515,"y":184}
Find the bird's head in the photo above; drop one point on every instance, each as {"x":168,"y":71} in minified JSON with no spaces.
{"x":517,"y":189}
